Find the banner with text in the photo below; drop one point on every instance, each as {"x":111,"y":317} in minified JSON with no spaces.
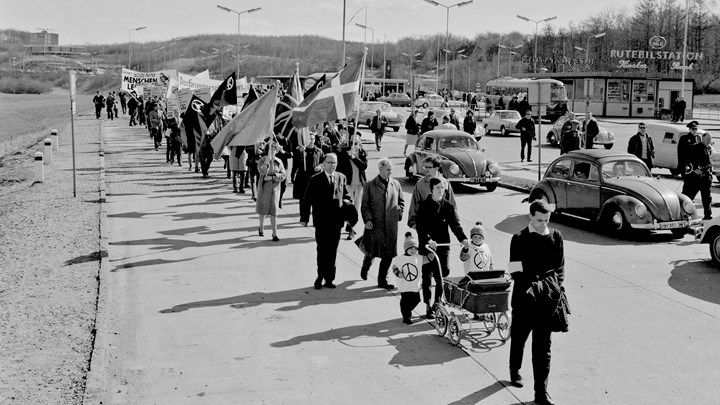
{"x":131,"y":79}
{"x":195,"y":82}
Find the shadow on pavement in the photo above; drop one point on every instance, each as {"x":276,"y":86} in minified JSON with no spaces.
{"x":698,"y":279}
{"x":482,"y":394}
{"x":143,"y":263}
{"x":298,"y":298}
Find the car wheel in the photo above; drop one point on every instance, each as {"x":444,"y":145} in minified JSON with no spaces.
{"x":502,"y":130}
{"x":615,"y":220}
{"x":715,"y":248}
{"x":396,"y":129}
{"x":491,"y":186}
{"x":609,"y":146}
{"x":425,"y":105}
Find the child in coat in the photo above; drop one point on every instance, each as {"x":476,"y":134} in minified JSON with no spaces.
{"x":407,"y":269}
{"x":478,"y":256}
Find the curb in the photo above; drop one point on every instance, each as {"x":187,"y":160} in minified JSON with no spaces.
{"x":96,"y":371}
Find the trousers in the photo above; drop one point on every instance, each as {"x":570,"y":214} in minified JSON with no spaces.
{"x":408,"y":302}
{"x":385,"y":263}
{"x":693,"y":184}
{"x":523,"y":323}
{"x":327,"y":239}
{"x":526,"y":140}
{"x":431,"y":270}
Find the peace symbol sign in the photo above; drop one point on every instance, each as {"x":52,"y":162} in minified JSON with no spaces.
{"x":197,"y":105}
{"x":480,"y":259}
{"x":409,"y":271}
{"x":230,"y":83}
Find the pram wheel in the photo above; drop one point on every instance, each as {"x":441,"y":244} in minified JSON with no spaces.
{"x":441,"y":321}
{"x":455,"y":330}
{"x":503,"y":326}
{"x":489,"y":321}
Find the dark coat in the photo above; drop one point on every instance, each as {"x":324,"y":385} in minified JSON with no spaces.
{"x":345,"y":161}
{"x":526,"y":127}
{"x":433,"y":220}
{"x":325,"y":201}
{"x":383,"y":206}
{"x":570,"y":141}
{"x":469,"y":125}
{"x":684,"y":147}
{"x":411,"y":126}
{"x":428,"y":124}
{"x":635,"y":148}
{"x":306,"y":169}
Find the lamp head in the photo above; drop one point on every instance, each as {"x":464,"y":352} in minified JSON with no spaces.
{"x":549,"y":19}
{"x":224,"y":8}
{"x":434,"y":3}
{"x":523,"y":18}
{"x":252,"y":10}
{"x":579,"y":48}
{"x":600,"y":35}
{"x":465,"y":3}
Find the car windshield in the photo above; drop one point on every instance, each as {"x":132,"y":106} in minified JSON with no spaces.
{"x":509,"y":115}
{"x":624,"y":168}
{"x":458,"y":142}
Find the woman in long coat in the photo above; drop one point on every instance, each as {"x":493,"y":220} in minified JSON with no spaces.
{"x":271,"y":174}
{"x":382,"y":209}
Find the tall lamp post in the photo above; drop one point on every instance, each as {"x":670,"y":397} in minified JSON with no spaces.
{"x":372,"y":48}
{"x":248,"y":11}
{"x":130,"y":45}
{"x":447,"y":25}
{"x":512,"y":53}
{"x":155,"y":57}
{"x":587,"y":45}
{"x":347,"y":23}
{"x":536,"y":30}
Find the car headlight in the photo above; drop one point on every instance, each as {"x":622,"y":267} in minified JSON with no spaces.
{"x":611,"y":136}
{"x":455,"y":169}
{"x":494,"y":168}
{"x":640,"y":210}
{"x":688,"y":206}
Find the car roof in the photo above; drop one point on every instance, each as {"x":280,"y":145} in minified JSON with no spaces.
{"x":598,"y":154}
{"x":666,"y":126}
{"x":446,"y":133}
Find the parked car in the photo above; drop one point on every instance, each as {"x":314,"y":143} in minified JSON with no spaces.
{"x":665,"y":138}
{"x":430,"y":100}
{"x":617,"y":191}
{"x":502,"y":121}
{"x":604,"y":137}
{"x":711,"y":235}
{"x":397,"y":100}
{"x":367,"y":112}
{"x":461,"y":158}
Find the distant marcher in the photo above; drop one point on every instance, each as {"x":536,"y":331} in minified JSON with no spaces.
{"x":99,"y":102}
{"x":155,"y":126}
{"x":407,"y":269}
{"x":352,"y":162}
{"x":428,"y":123}
{"x":412,"y":128}
{"x":382,"y":209}
{"x":141,"y":110}
{"x":254,"y":153}
{"x":271,"y":175}
{"x":132,"y":106}
{"x":326,"y":192}
{"x":109,"y":105}
{"x":537,"y":265}
{"x":591,"y":129}
{"x":283,"y":153}
{"x":641,"y":145}
{"x":377,"y":126}
{"x":527,"y":133}
{"x":115,"y":107}
{"x":175,"y":141}
{"x":469,"y":123}
{"x":238,"y":168}
{"x":310,"y":162}
{"x":435,"y":217}
{"x":454,"y":119}
{"x":123,"y":102}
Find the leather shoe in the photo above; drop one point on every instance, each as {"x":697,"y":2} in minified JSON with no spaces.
{"x":329,"y":284}
{"x":363,"y":274}
{"x":386,"y":286}
{"x":516,"y":379}
{"x":318,"y":284}
{"x":543,"y":399}
{"x":707,"y":217}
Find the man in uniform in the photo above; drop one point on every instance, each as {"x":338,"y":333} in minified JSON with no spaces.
{"x":571,"y":137}
{"x":699,"y":177}
{"x":684,"y":146}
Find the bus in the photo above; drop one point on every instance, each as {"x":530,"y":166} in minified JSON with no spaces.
{"x":508,"y":87}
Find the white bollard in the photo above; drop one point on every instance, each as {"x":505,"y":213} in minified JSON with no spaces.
{"x":47,"y":153}
{"x":39,"y":170}
{"x":55,"y":138}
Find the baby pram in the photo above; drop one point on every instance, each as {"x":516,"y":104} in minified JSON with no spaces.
{"x":484,"y":294}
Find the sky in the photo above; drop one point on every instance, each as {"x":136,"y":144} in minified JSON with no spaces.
{"x":81,"y":22}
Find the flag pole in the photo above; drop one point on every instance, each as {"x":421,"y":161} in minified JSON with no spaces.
{"x":360,"y":93}
{"x":299,"y":132}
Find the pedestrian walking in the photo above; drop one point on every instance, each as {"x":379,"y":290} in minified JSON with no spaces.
{"x":141,"y":111}
{"x":684,"y":147}
{"x":326,"y":192}
{"x":155,"y":125}
{"x":271,"y":175}
{"x":429,"y":122}
{"x":699,"y":177}
{"x":99,"y":102}
{"x":123,"y":102}
{"x":412,"y":128}
{"x":310,"y":163}
{"x":477,"y":256}
{"x":132,"y":106}
{"x":469,"y":123}
{"x":377,"y":126}
{"x":352,"y":162}
{"x":537,"y":265}
{"x":381,"y":209}
{"x":454,"y":119}
{"x":115,"y":107}
{"x":407,"y":270}
{"x":527,"y":134}
{"x":571,"y":137}
{"x":238,"y":168}
{"x":435,"y":217}
{"x":591,"y":128}
{"x":422,"y":189}
{"x":174,"y":141}
{"x":641,"y":145}
{"x":109,"y":105}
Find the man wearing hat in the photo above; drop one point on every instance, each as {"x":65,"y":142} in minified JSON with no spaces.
{"x":428,"y":123}
{"x":685,"y":144}
{"x":571,"y":137}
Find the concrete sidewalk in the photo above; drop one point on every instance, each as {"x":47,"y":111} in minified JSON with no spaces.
{"x":200,"y":309}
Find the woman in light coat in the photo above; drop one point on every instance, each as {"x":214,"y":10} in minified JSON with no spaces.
{"x":271,"y":175}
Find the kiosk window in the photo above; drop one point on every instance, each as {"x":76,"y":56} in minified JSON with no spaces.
{"x":643,"y":91}
{"x":618,"y":90}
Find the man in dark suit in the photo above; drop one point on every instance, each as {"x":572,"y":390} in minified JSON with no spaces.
{"x":324,"y":195}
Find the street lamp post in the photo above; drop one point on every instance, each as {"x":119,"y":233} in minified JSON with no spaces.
{"x":512,"y":53}
{"x":130,"y":41}
{"x":536,"y":30}
{"x":447,"y":25}
{"x":587,"y":46}
{"x":372,"y":51}
{"x":347,"y":23}
{"x":248,"y":11}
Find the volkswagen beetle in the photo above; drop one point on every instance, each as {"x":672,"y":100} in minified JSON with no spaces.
{"x":461,"y":158}
{"x":616,"y":190}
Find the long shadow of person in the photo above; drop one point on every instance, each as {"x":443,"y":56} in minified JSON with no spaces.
{"x":296,"y":299}
{"x":697,"y":278}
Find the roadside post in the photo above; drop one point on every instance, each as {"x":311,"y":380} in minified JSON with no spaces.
{"x":39,"y":171}
{"x":55,"y":138}
{"x":72,"y":128}
{"x":47,"y":150}
{"x":539,"y":96}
